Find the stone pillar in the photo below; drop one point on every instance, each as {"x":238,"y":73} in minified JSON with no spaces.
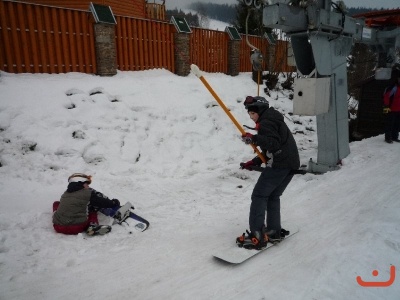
{"x":182,"y":53}
{"x":106,"y":52}
{"x":233,"y":57}
{"x":270,"y":59}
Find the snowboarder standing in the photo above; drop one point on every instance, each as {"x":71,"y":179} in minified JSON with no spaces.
{"x":276,"y":142}
{"x":77,"y":209}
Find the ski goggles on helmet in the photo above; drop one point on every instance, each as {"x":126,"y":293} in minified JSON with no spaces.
{"x":257,"y":100}
{"x":79,"y":177}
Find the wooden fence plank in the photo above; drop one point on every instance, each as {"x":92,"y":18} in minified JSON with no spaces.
{"x":202,"y":50}
{"x":118,"y":41}
{"x":160,"y":51}
{"x":135,"y":28}
{"x":70,"y":31}
{"x":49,"y":39}
{"x":57,"y":40}
{"x":125,"y":44}
{"x":226,"y":43}
{"x":19,"y":40}
{"x":32,"y":34}
{"x":65,"y":50}
{"x":130,"y":44}
{"x":165,"y":44}
{"x":78,"y":36}
{"x":145,"y":45}
{"x":150,"y":43}
{"x":90,"y":36}
{"x":195,"y":51}
{"x":152,"y":25}
{"x":7,"y":53}
{"x":85,"y":43}
{"x":210,"y":51}
{"x":199,"y":56}
{"x":42,"y":47}
{"x":207,"y":55}
{"x":213,"y":52}
{"x":141,"y":46}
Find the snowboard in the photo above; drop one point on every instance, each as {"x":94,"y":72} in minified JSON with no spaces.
{"x":137,"y":222}
{"x":231,"y":253}
{"x":126,"y":217}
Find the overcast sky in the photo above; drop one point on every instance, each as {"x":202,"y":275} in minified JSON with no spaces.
{"x":171,"y":4}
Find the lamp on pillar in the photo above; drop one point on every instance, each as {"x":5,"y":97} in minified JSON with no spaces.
{"x":182,"y":44}
{"x":104,"y":30}
{"x":233,"y":50}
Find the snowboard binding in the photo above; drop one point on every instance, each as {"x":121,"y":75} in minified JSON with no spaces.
{"x":123,"y":213}
{"x":125,"y":216}
{"x":250,"y":241}
{"x":258,"y":240}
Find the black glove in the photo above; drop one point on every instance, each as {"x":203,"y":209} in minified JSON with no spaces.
{"x":115,"y":202}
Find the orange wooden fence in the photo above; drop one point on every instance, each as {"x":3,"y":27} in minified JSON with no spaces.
{"x":280,"y":60}
{"x":144,"y":44}
{"x":44,"y":39}
{"x":209,"y":50}
{"x":155,"y":11}
{"x":279,"y":53}
{"x":245,"y":51}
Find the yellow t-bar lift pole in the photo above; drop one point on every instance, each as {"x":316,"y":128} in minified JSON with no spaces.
{"x":196,"y":71}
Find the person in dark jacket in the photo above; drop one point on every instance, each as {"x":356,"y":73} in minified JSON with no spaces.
{"x":76,"y":210}
{"x":277,"y":143}
{"x":391,"y":109}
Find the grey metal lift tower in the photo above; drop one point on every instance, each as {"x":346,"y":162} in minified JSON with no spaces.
{"x":322,"y":37}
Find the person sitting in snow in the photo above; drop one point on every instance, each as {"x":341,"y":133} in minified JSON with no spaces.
{"x":276,"y":142}
{"x":76,"y":210}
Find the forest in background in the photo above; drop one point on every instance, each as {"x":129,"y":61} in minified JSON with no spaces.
{"x":229,"y":13}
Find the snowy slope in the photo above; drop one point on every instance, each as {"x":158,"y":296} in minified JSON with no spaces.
{"x":159,"y":141}
{"x":208,"y":23}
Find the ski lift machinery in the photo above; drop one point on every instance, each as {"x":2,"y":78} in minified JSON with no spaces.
{"x":322,"y":36}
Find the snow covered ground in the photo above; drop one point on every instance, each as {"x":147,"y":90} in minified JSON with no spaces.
{"x":160,"y":141}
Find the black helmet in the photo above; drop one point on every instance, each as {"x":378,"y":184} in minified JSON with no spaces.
{"x":256,"y":103}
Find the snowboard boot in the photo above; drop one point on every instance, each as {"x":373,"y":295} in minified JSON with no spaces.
{"x":284,"y":233}
{"x":95,"y":229}
{"x":275,"y":236}
{"x":256,"y":240}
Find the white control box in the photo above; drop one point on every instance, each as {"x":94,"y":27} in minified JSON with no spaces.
{"x":311,"y":96}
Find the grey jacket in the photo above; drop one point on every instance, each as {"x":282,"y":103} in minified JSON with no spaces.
{"x":75,"y":202}
{"x":73,"y":208}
